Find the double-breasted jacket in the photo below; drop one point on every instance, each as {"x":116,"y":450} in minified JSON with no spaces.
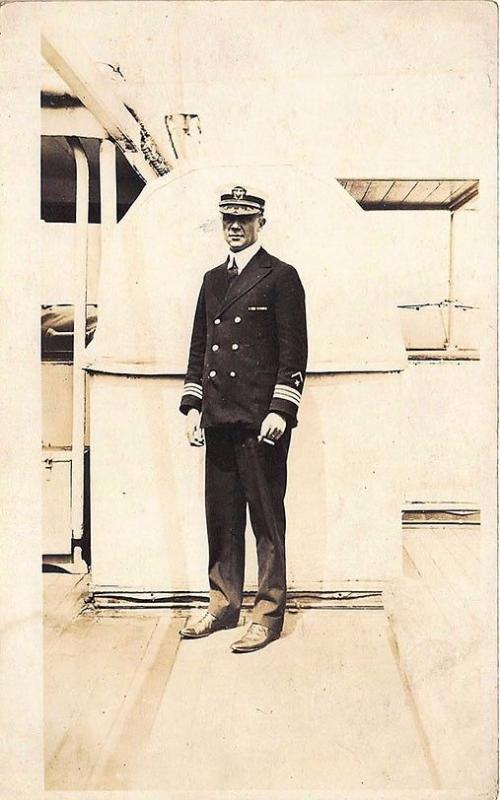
{"x":248,"y":351}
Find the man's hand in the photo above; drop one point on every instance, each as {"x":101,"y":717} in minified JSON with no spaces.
{"x":194,"y":431}
{"x":273,"y":427}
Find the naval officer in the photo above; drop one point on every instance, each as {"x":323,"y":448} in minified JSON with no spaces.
{"x":242,"y":391}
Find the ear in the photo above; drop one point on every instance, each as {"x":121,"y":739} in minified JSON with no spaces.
{"x":262,"y":222}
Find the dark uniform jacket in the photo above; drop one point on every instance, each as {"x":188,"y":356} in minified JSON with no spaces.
{"x":248,"y":349}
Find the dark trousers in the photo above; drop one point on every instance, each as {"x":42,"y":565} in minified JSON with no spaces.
{"x":241,"y":471}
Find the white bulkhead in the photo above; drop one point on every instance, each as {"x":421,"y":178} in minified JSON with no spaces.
{"x":345,"y":495}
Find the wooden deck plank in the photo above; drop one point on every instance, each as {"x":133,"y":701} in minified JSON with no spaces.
{"x":444,"y":678}
{"x":468,"y":538}
{"x":457,"y":560}
{"x":94,"y":684}
{"x":131,"y":728}
{"x":409,"y":568}
{"x":300,"y":723}
{"x":69,"y":669}
{"x":63,"y":602}
{"x":445,"y":578}
{"x":437,"y":620}
{"x":346,"y":700}
{"x":59,"y":588}
{"x":443,"y":662}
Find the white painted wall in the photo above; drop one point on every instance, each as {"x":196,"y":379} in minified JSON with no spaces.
{"x":344,"y":494}
{"x":444,"y":432}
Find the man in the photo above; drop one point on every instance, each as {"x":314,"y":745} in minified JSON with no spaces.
{"x":242,"y":390}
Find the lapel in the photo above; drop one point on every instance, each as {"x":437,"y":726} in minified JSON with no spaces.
{"x":256,"y":269}
{"x":220,"y":281}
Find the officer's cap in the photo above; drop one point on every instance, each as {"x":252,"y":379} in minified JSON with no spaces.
{"x":240,"y":203}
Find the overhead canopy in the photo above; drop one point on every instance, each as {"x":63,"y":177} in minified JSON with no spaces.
{"x":153,"y":269}
{"x":375,"y":194}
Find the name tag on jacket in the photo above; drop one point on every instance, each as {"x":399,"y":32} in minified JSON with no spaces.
{"x":257,"y":308}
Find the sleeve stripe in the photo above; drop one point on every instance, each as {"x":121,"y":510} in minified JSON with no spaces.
{"x":283,"y":393}
{"x":287,"y":394}
{"x":287,"y":390}
{"x":194,"y":389}
{"x":283,"y":396}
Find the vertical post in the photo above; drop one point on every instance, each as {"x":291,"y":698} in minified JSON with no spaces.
{"x":80,"y":327}
{"x":107,"y":165}
{"x":451,"y":290}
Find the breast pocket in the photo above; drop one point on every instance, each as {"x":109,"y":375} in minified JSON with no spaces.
{"x":259,"y":299}
{"x":259,"y":314}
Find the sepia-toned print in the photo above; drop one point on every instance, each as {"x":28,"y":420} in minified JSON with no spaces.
{"x":253,"y":246}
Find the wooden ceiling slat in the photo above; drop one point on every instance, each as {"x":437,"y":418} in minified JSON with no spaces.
{"x":420,"y":191}
{"x":412,"y":193}
{"x":358,"y":189}
{"x":388,"y":190}
{"x":376,"y":191}
{"x":368,"y":184}
{"x":398,"y":191}
{"x":441,"y":194}
{"x":410,"y":185}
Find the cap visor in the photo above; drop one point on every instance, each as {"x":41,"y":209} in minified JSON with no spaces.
{"x":239,"y":210}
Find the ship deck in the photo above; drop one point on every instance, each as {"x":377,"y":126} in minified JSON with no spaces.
{"x":346,"y":700}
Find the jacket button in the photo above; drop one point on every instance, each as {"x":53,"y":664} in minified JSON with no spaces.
{"x":217,"y":321}
{"x":237,"y":319}
{"x":212,"y":373}
{"x":232,"y":374}
{"x":215,"y":347}
{"x":234,"y":346}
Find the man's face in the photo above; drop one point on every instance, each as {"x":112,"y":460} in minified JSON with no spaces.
{"x":241,"y":231}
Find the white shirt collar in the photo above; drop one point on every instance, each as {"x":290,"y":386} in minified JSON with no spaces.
{"x":244,"y":256}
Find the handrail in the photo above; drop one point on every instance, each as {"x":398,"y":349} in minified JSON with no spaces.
{"x":79,"y":343}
